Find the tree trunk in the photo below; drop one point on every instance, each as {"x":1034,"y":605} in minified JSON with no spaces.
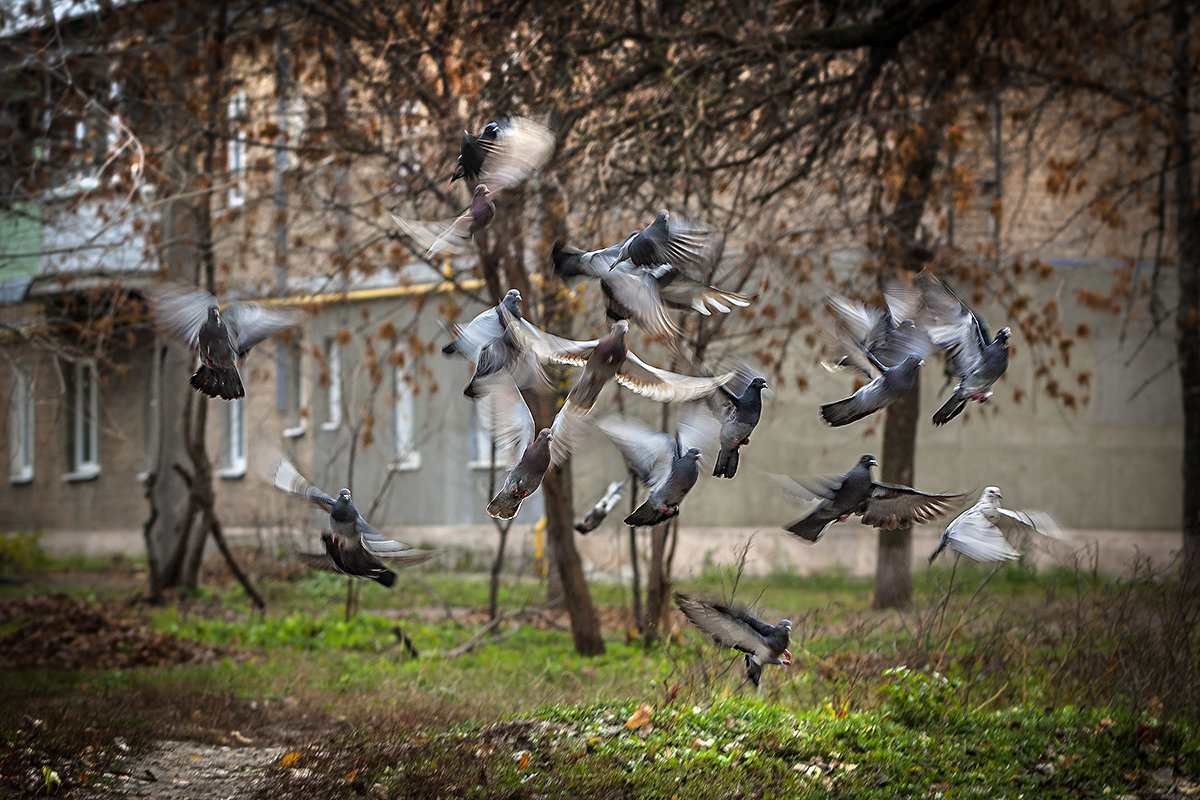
{"x":893,"y":565}
{"x":658,"y":583}
{"x":585,"y":625}
{"x":1187,"y":316}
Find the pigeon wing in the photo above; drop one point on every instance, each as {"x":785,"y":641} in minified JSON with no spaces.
{"x":289,"y":479}
{"x":891,"y":507}
{"x":649,"y":453}
{"x":726,"y":628}
{"x":504,"y":414}
{"x":663,"y":386}
{"x":180,"y":310}
{"x":975,"y":537}
{"x":522,"y":147}
{"x":438,"y":236}
{"x":376,"y":543}
{"x":546,"y":347}
{"x":251,"y":323}
{"x":679,"y":289}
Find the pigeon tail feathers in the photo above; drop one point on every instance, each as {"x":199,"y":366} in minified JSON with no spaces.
{"x":226,"y":384}
{"x":951,"y":409}
{"x":727,"y":463}
{"x":504,"y":505}
{"x":648,"y":515}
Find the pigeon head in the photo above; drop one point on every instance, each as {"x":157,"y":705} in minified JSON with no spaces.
{"x":344,"y":494}
{"x":1003,"y":335}
{"x":912,"y":363}
{"x":490,"y":131}
{"x":759,"y":383}
{"x":512,"y":301}
{"x":693,"y":454}
{"x":620,"y":328}
{"x":480,"y":190}
{"x":545,"y":436}
{"x":993,"y":493}
{"x":343,"y":510}
{"x":214,"y":314}
{"x":869,"y":460}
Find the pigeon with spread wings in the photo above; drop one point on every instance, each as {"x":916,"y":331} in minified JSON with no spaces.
{"x":498,"y":159}
{"x":972,"y":356}
{"x":738,"y":628}
{"x":644,"y":294}
{"x":221,"y":338}
{"x":604,"y":359}
{"x":505,"y":415}
{"x":881,"y":505}
{"x":978,"y":532}
{"x":353,"y":546}
{"x":669,"y":465}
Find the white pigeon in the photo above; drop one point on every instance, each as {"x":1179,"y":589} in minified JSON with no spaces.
{"x":978,"y":532}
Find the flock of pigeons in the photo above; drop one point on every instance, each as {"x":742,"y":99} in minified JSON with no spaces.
{"x":644,"y":278}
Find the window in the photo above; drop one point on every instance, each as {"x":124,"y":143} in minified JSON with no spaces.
{"x":331,"y":380}
{"x":85,"y":430}
{"x":290,"y":396}
{"x":233,"y":440}
{"x":404,"y":442}
{"x":481,"y":445}
{"x":235,"y":157}
{"x":20,"y":428}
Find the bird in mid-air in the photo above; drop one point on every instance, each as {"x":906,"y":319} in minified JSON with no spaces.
{"x":881,"y":505}
{"x":222,"y":338}
{"x":353,"y":546}
{"x":737,"y":628}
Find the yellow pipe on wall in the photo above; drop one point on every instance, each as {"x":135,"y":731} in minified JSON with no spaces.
{"x":379,"y":293}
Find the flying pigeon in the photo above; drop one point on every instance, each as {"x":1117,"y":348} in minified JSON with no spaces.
{"x":888,"y":386}
{"x":889,"y":334}
{"x":975,"y":359}
{"x":643,"y":294}
{"x":222,"y":338}
{"x":473,"y":151}
{"x":677,"y":242}
{"x":669,"y":465}
{"x":504,"y":154}
{"x":978,"y":532}
{"x":486,"y":341}
{"x":453,"y":236}
{"x":741,"y":630}
{"x":881,"y":505}
{"x":504,"y":414}
{"x":738,"y":413}
{"x":496,"y":160}
{"x":605,"y":504}
{"x":353,"y":546}
{"x":604,"y":359}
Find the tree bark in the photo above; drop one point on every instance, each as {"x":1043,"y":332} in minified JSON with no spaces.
{"x":585,"y":625}
{"x":1187,"y":315}
{"x":893,"y":565}
{"x":658,"y":583}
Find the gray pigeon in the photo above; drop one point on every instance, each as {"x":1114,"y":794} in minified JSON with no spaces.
{"x":505,"y":153}
{"x":597,"y":513}
{"x":604,"y":359}
{"x":473,"y":151}
{"x":669,"y":465}
{"x":452,"y":236}
{"x":889,"y":334}
{"x":737,"y":628}
{"x":507,"y":418}
{"x":978,"y":532}
{"x":353,"y":546}
{"x":975,"y":359}
{"x":643,"y":294}
{"x":888,"y":386}
{"x":222,"y":338}
{"x":486,"y":341}
{"x":676,"y":242}
{"x":498,"y":161}
{"x":738,"y":413}
{"x":881,"y":505}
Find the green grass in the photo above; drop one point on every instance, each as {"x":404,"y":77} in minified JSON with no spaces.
{"x":1042,"y":685}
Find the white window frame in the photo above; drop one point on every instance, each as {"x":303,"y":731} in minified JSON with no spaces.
{"x":233,"y":439}
{"x":295,"y":390}
{"x":482,"y":444}
{"x":85,"y":422}
{"x":20,"y":427}
{"x":333,"y":391}
{"x":235,"y":151}
{"x":405,"y":455}
{"x":151,"y":430}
